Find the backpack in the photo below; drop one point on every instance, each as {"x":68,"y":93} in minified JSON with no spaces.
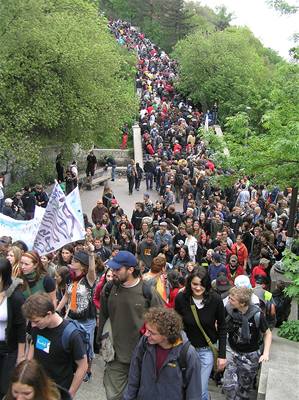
{"x":267,"y":306}
{"x":182,"y":359}
{"x":129,"y":171}
{"x":71,"y":327}
{"x":146,"y":291}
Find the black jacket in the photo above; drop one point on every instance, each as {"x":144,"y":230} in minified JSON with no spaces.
{"x":16,"y":323}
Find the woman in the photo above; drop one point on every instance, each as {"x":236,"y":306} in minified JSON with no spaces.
{"x":78,"y":297}
{"x":62,"y":277}
{"x":240,"y":250}
{"x":107,"y":196}
{"x":106,"y":223}
{"x":30,"y":382}
{"x":210,"y":312}
{"x":166,"y":250}
{"x":158,"y":211}
{"x":14,"y":257}
{"x":107,"y":277}
{"x":48,"y":264}
{"x":65,"y":255}
{"x":12,"y":324}
{"x":126,"y":242}
{"x":233,"y":269}
{"x":180,"y":260}
{"x":35,"y":278}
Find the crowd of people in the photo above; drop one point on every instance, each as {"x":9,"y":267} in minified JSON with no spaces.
{"x":170,"y":298}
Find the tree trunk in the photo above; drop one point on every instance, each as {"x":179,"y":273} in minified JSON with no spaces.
{"x":293,"y":209}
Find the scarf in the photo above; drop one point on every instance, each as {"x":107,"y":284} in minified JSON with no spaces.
{"x":76,"y":280}
{"x":243,"y":319}
{"x":31,"y":277}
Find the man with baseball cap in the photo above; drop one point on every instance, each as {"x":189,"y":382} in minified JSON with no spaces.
{"x":124,"y":302}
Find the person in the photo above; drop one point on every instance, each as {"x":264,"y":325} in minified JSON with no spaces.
{"x":147,"y":250}
{"x":210,"y":312}
{"x":12,"y":324}
{"x":233,"y":269}
{"x":1,"y":192}
{"x":158,"y":354}
{"x":8,"y":209}
{"x":91,"y":164}
{"x":216,"y":267}
{"x":14,"y":255}
{"x":131,"y":174}
{"x":124,"y":303}
{"x":41,"y":196}
{"x":98,"y":211}
{"x":47,"y":328}
{"x":138,"y":176}
{"x":78,"y":297}
{"x":48,"y":264}
{"x":60,"y":167}
{"x":65,"y":255}
{"x":149,"y":170}
{"x":240,"y":250}
{"x":180,"y":260}
{"x":35,"y":278}
{"x":245,"y":325}
{"x":110,"y":162}
{"x":30,"y":382}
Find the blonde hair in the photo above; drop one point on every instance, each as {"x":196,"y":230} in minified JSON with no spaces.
{"x":17,"y":252}
{"x":242,"y":294}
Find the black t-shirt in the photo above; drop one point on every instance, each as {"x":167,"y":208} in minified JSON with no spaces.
{"x":49,"y":352}
{"x":234,"y":333}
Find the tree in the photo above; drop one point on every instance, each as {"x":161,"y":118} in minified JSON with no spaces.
{"x":63,"y":77}
{"x":225,"y":65}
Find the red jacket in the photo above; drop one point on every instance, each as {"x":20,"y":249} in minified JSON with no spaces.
{"x":259,"y":270}
{"x":231,"y":277}
{"x":241,"y":253}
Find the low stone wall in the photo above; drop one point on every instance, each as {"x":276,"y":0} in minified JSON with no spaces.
{"x":121,"y":156}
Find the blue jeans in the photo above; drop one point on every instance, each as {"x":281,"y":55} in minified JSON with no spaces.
{"x":149,"y":180}
{"x":206,"y":363}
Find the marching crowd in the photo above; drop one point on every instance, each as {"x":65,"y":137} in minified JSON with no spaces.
{"x":169,"y":298}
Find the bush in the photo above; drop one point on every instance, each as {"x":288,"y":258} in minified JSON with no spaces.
{"x":289,"y":330}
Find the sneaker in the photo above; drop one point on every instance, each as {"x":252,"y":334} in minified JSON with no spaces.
{"x":87,"y":377}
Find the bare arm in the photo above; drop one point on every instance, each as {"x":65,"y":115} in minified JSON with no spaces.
{"x":267,"y":345}
{"x":21,"y":352}
{"x":53,"y":297}
{"x":82,"y":366}
{"x":62,"y":302}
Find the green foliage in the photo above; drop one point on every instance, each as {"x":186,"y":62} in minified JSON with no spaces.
{"x":284,"y":7}
{"x":289,"y":330}
{"x":166,"y":22}
{"x":229,"y":66}
{"x":62,"y":77}
{"x":291,"y":271}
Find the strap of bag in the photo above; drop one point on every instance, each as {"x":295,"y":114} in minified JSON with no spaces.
{"x":195,"y":315}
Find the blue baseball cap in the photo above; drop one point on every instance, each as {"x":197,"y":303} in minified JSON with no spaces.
{"x":122,"y":259}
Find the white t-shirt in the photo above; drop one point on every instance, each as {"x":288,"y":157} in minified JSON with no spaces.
{"x":198,"y":302}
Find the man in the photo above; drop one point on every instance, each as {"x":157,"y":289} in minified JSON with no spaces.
{"x":98,"y":211}
{"x":91,"y":164}
{"x":216,"y":268}
{"x":47,"y":349}
{"x":29,"y":203}
{"x":41,"y":196}
{"x":8,"y":209}
{"x":124,"y":303}
{"x":147,"y":250}
{"x":148,"y":204}
{"x":60,"y":167}
{"x":99,"y":231}
{"x":110,"y":162}
{"x":169,"y":198}
{"x":245,"y":325}
{"x":163,"y":235}
{"x":149,"y":170}
{"x":156,"y":370}
{"x":103,"y":252}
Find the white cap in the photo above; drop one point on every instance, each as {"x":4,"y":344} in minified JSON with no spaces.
{"x":242,"y":281}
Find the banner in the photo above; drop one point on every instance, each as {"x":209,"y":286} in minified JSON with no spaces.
{"x":22,"y":230}
{"x":61,"y":223}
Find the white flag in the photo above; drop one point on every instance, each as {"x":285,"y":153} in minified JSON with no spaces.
{"x":60,"y":224}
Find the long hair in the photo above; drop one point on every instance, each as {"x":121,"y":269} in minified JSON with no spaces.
{"x":30,"y":373}
{"x":202,"y":274}
{"x":39,"y":268}
{"x":5,"y":272}
{"x":68,"y":247}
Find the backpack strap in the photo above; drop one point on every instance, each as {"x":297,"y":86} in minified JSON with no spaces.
{"x":67,"y":333}
{"x":182,"y":360}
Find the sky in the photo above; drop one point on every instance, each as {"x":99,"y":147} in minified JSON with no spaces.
{"x":274,"y":30}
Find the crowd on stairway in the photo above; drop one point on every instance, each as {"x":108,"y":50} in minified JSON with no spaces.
{"x":170,"y":298}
